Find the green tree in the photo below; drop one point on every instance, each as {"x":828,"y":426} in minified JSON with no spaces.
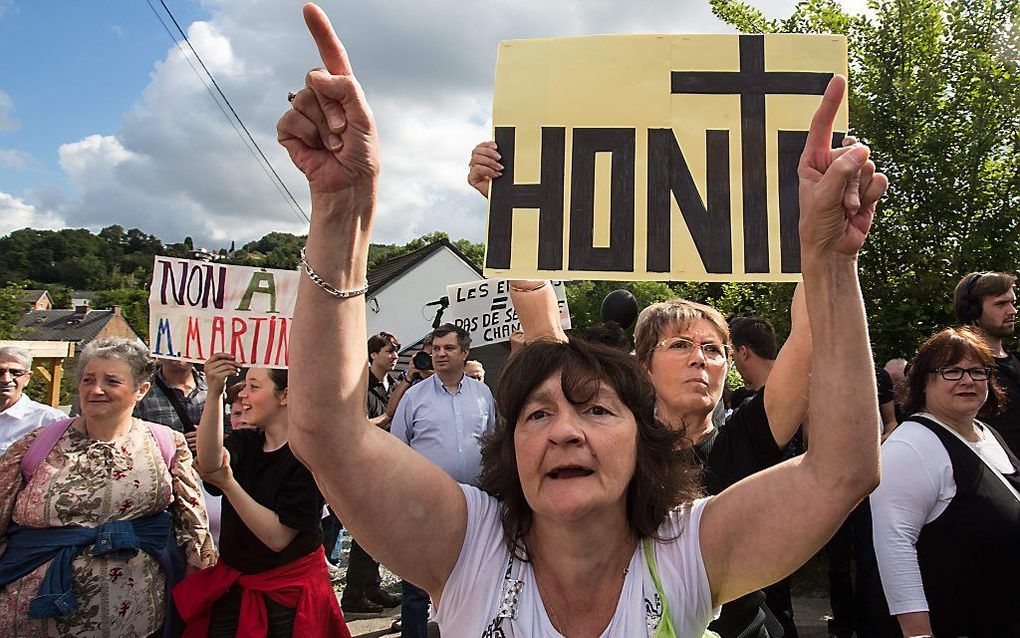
{"x":11,"y":309}
{"x":934,"y":92}
{"x":585,"y":298}
{"x":134,"y":305}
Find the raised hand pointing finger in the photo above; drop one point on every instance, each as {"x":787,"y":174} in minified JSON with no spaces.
{"x":349,"y":156}
{"x":331,"y":50}
{"x":831,"y":222}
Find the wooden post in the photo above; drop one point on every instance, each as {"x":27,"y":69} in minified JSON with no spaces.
{"x":56,"y":374}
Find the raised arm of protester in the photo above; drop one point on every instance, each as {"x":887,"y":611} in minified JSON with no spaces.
{"x":786,"y":397}
{"x":218,"y":368}
{"x":750,"y":537}
{"x":537,"y":310}
{"x":413,"y":519}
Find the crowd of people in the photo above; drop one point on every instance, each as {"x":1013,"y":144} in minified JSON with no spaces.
{"x":604,"y":489}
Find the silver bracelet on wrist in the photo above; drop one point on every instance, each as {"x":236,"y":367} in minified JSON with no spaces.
{"x":518,"y":289}
{"x":322,"y":283}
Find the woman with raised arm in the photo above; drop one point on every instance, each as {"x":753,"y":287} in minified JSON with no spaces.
{"x":271,"y":579}
{"x":572,"y":515}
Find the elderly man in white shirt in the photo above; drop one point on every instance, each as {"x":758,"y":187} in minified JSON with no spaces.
{"x":19,"y":415}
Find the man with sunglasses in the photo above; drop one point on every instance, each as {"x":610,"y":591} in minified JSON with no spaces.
{"x":19,"y":415}
{"x":987,"y":302}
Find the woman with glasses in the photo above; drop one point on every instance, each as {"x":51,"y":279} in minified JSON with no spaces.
{"x":683,"y":345}
{"x":947,"y":513}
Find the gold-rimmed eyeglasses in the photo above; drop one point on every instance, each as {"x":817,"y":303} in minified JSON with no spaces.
{"x":712,"y":351}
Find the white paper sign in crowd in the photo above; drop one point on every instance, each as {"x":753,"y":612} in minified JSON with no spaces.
{"x":484,"y":309}
{"x":197,"y":308}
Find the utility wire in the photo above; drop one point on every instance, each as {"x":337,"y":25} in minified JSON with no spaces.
{"x":276,"y":183}
{"x":250,"y":142}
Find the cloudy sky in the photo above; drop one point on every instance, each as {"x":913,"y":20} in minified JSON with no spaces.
{"x":103,"y":121}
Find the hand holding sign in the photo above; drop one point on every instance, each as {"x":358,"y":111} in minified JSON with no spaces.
{"x":330,"y":131}
{"x":484,"y":167}
{"x":832,"y":221}
{"x":218,"y":368}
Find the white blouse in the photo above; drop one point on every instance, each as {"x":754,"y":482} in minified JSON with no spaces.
{"x":474,"y":594}
{"x":917,"y":486}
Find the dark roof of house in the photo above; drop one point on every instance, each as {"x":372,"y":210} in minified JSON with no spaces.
{"x":391,"y":269}
{"x":64,"y":325}
{"x":32,"y":296}
{"x":83,"y":294}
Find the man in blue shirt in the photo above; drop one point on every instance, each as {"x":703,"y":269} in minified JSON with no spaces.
{"x":444,"y":418}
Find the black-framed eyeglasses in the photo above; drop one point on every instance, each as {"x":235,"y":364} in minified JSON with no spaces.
{"x":14,"y":372}
{"x":955,"y":374}
{"x":713,"y":352}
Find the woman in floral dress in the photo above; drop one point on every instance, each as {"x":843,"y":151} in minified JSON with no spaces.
{"x":105,"y":467}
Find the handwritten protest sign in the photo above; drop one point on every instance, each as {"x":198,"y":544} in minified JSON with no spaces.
{"x":197,"y":308}
{"x":484,"y":309}
{"x":659,"y":157}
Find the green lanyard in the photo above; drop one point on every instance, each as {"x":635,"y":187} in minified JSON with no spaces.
{"x":666,"y":629}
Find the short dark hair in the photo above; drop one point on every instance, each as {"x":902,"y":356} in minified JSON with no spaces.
{"x":665,"y":475}
{"x":279,"y":378}
{"x":945,"y":348}
{"x":463,"y":336}
{"x":973,"y":288}
{"x":757,"y":334}
{"x":379,"y":341}
{"x":608,"y":333}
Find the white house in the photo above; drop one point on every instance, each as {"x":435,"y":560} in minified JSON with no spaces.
{"x":401,"y":290}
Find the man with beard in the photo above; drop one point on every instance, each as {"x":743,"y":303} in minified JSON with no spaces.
{"x":987,"y":301}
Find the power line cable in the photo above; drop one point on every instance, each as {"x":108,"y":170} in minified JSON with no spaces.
{"x":279,"y":187}
{"x":278,"y":180}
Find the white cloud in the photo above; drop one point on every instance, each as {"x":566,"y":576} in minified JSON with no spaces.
{"x":15,"y":213}
{"x":13,"y":158}
{"x":176,"y":167}
{"x":8,"y":122}
{"x":93,"y":160}
{"x":7,"y":6}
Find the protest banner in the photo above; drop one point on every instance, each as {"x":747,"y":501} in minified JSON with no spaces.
{"x":197,"y":308}
{"x":654,"y":157}
{"x":485,"y":310}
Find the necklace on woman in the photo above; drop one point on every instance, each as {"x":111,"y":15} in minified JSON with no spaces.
{"x":553,"y":618}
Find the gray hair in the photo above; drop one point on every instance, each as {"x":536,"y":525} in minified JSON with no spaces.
{"x":136,"y":355}
{"x":14,"y":352}
{"x":680,"y":313}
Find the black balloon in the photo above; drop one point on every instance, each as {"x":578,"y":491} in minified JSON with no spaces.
{"x":620,"y":306}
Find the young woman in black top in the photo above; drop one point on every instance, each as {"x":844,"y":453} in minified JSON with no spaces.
{"x":273,"y":508}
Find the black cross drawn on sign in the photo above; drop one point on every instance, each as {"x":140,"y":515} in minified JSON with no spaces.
{"x":752,"y":83}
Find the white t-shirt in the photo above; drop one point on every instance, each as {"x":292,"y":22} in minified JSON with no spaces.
{"x":473,"y":593}
{"x":917,"y":486}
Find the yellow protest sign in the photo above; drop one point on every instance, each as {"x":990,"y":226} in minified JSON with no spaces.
{"x":654,"y":157}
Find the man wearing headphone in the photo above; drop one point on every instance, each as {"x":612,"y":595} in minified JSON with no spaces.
{"x":987,"y":301}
